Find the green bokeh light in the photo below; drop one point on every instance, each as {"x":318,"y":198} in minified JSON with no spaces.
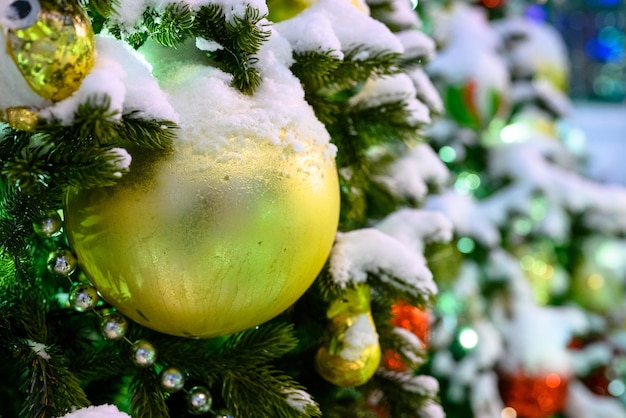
{"x":467,"y":182}
{"x":465,"y":245}
{"x":447,"y":154}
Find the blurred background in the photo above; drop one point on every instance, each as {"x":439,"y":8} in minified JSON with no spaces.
{"x":594,"y":32}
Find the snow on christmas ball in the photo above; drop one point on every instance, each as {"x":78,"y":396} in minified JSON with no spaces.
{"x":231,"y":227}
{"x":101,"y":411}
{"x":48,"y":50}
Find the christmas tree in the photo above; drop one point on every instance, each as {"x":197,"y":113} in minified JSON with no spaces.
{"x":213,"y":208}
{"x":530,"y":318}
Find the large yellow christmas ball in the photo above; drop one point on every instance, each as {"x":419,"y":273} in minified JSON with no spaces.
{"x":225,"y":232}
{"x":193,"y":246}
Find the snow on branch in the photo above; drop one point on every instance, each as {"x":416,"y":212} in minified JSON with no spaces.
{"x":409,"y":176}
{"x":330,"y":25}
{"x":467,"y":216}
{"x":415,"y":227}
{"x":541,"y":164}
{"x":358,"y":254}
{"x":394,"y":88}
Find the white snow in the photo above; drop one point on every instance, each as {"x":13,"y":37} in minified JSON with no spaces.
{"x":581,"y":403}
{"x":469,"y":57}
{"x":411,"y":340}
{"x":122,"y":160}
{"x":425,"y":90}
{"x":359,"y":336}
{"x":234,"y":9}
{"x":537,"y":338}
{"x":416,"y":44}
{"x":542,"y":49}
{"x":466,"y":215}
{"x":431,"y":410}
{"x":410,"y":176}
{"x":40,"y":349}
{"x":591,"y":356}
{"x":216,"y":117}
{"x":484,"y":396}
{"x":124,"y":77}
{"x":14,"y":90}
{"x":331,"y":25}
{"x":102,"y":411}
{"x":299,"y":400}
{"x":358,"y":253}
{"x":208,"y":45}
{"x":415,"y":228}
{"x":401,"y":13}
{"x":542,"y":164}
{"x":388,"y":89}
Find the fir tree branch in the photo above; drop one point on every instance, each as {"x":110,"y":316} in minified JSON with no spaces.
{"x":102,"y":8}
{"x":413,"y":356}
{"x":52,"y":391}
{"x":261,"y":344}
{"x":147,"y":398}
{"x":403,"y":392}
{"x":394,"y":288}
{"x":27,"y":170}
{"x":240,"y":41}
{"x":172,"y":27}
{"x":251,"y":386}
{"x":96,"y":125}
{"x":314,"y":68}
{"x":379,"y":124}
{"x":151,"y":134}
{"x":262,"y":392}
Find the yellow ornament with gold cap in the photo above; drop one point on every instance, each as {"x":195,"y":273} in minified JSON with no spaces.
{"x":230,"y":228}
{"x":48,"y":51}
{"x":351,"y":353}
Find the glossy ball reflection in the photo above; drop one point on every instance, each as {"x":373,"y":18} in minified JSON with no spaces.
{"x":205,"y":246}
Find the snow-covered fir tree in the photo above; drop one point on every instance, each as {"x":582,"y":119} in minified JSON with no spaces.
{"x":213,"y":208}
{"x":529,"y":321}
{"x":338,"y":208}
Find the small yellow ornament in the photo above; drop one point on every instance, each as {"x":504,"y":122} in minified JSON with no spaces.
{"x":201,"y":245}
{"x":352,"y":353}
{"x":51,"y":43}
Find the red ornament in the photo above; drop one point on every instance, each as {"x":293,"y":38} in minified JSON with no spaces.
{"x":533,"y":396}
{"x":411,"y":318}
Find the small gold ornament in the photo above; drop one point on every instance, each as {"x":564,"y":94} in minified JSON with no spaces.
{"x":352,"y":353}
{"x":83,"y":297}
{"x":114,"y":326}
{"x":62,"y":262}
{"x":201,"y":246}
{"x":199,"y":400}
{"x":143,"y":353}
{"x":172,"y":379}
{"x":52,"y":44}
{"x":49,"y":225}
{"x":21,"y":118}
